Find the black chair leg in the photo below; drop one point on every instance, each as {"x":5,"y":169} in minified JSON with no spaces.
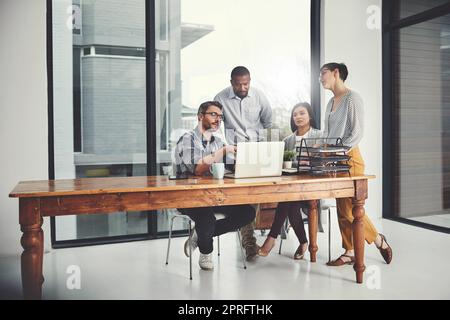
{"x":329,"y":234}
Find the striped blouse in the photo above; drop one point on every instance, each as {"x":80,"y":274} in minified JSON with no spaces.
{"x":346,"y":121}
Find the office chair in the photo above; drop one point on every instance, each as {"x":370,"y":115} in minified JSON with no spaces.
{"x":185,"y":217}
{"x":324,"y":206}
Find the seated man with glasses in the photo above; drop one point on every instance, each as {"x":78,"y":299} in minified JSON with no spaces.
{"x":195,"y":152}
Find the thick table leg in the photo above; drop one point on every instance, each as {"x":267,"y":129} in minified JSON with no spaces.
{"x":33,"y":244}
{"x":358,"y":228}
{"x":312,"y":228}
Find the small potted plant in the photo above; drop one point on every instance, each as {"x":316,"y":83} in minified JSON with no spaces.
{"x":288,"y":157}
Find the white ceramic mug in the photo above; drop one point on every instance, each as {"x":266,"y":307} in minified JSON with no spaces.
{"x":167,"y":170}
{"x":217,"y":170}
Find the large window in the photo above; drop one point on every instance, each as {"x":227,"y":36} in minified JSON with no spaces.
{"x":206,"y":39}
{"x":102,"y":101}
{"x":419,"y":32}
{"x":198,"y":42}
{"x":99,"y":105}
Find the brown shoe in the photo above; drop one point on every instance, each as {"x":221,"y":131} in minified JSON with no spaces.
{"x":386,"y":253}
{"x":340,"y":262}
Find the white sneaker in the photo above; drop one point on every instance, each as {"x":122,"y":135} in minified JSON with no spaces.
{"x":193,"y":243}
{"x":205,"y":261}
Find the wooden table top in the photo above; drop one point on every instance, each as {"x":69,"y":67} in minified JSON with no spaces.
{"x":46,"y":188}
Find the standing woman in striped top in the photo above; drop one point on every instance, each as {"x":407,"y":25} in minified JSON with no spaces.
{"x":344,"y":118}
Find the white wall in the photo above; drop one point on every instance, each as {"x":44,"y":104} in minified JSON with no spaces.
{"x":347,"y":38}
{"x":63,"y":91}
{"x":23,"y":109}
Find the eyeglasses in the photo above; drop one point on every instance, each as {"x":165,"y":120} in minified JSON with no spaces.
{"x":214,"y":115}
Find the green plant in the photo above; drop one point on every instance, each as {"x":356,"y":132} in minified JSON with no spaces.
{"x":289,"y":155}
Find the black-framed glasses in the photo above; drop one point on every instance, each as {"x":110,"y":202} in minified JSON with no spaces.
{"x":215,"y":115}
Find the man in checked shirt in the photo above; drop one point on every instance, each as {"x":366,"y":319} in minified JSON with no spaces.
{"x":195,"y":152}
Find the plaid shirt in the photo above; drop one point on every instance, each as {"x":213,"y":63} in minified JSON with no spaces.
{"x":192,"y":147}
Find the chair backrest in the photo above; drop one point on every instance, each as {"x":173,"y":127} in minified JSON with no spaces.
{"x":219,"y":216}
{"x":325,"y":204}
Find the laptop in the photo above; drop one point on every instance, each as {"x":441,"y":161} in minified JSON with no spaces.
{"x":258,"y":159}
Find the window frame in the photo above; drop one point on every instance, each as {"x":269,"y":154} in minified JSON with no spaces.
{"x":390,"y":138}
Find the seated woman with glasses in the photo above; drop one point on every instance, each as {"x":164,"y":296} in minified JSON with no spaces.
{"x":303,"y":126}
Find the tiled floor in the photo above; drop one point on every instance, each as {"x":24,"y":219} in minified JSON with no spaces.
{"x":137,"y":270}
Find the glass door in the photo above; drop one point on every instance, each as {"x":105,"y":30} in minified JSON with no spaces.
{"x":420,"y":103}
{"x":423,"y":117}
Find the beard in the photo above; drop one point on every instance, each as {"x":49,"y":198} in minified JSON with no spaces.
{"x":211,"y":126}
{"x":241,"y":94}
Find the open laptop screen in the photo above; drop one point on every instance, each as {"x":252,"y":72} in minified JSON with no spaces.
{"x":259,"y":159}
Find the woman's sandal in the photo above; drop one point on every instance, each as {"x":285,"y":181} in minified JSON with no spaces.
{"x":340,"y":262}
{"x":385,"y":253}
{"x":262,"y":253}
{"x":298,"y":255}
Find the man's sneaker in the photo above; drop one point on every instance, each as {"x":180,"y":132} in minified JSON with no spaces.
{"x":205,"y":261}
{"x":192,"y":242}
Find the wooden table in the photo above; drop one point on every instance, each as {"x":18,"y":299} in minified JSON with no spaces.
{"x":38,"y":199}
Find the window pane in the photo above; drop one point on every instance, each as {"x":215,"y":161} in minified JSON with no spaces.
{"x":99,"y":104}
{"x":422,"y":86}
{"x":412,"y":7}
{"x":209,"y":38}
